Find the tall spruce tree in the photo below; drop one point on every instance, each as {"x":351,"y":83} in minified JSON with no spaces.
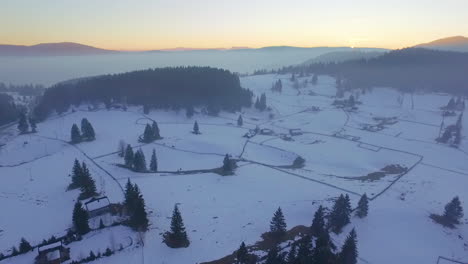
{"x":156,"y":131}
{"x":23,"y":125}
{"x":75,"y":134}
{"x":87,"y":130}
{"x":76,"y":176}
{"x":340,"y":214}
{"x":453,"y":211}
{"x":33,"y":124}
{"x":291,"y":257}
{"x":24,"y":246}
{"x":240,"y":121}
{"x":87,"y":184}
{"x":274,"y":256}
{"x":349,"y":253}
{"x":227,"y":164}
{"x":154,"y":162}
{"x":189,"y":111}
{"x":129,"y":157}
{"x":139,"y":161}
{"x":304,"y":251}
{"x":196,"y":129}
{"x":363,"y":206}
{"x":177,"y":237}
{"x":318,"y":223}
{"x":323,"y":251}
{"x":138,"y":216}
{"x":130,"y":197}
{"x":80,"y":219}
{"x":148,"y":135}
{"x":278,"y":224}
{"x":242,"y":256}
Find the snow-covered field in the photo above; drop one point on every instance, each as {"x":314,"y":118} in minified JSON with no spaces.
{"x":222,"y":211}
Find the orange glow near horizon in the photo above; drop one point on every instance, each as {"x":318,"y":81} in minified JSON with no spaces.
{"x":168,"y":24}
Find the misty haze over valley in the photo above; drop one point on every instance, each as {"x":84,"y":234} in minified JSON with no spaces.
{"x":330,"y":133}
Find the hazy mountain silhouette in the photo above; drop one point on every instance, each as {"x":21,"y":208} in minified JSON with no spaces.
{"x":457,"y":43}
{"x":52,"y":49}
{"x":342,"y":56}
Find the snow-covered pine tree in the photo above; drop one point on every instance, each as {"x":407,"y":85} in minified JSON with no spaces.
{"x":453,"y":211}
{"x":154,"y":162}
{"x":129,"y":157}
{"x":363,"y":206}
{"x":240,"y":121}
{"x":75,"y":134}
{"x":156,"y":132}
{"x":318,"y":223}
{"x":23,"y":125}
{"x":177,"y":237}
{"x":278,"y":224}
{"x":242,"y":256}
{"x":196,"y":129}
{"x":80,"y":219}
{"x":349,"y":253}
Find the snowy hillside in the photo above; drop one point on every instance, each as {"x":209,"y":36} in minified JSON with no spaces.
{"x":220,"y":212}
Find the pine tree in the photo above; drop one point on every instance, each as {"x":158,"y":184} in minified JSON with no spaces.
{"x":154,"y":162}
{"x":196,"y":129}
{"x":323,"y":252}
{"x":139,"y":218}
{"x":24,"y":246}
{"x":130,"y":197}
{"x":291,"y":257}
{"x":139,"y":161}
{"x":242,"y":256}
{"x":87,"y":130}
{"x":453,"y":211}
{"x":23,"y":125}
{"x":101,"y":224}
{"x":349,"y":253}
{"x":76,"y":176}
{"x":363,"y":206}
{"x":340,"y":214}
{"x":33,"y":124}
{"x":177,"y":237}
{"x":318,"y":223}
{"x":156,"y":131}
{"x":121,"y":148}
{"x":80,"y":219}
{"x":87,"y":186}
{"x":14,"y":251}
{"x":273,"y":256}
{"x":278,"y":224}
{"x":304,"y":252}
{"x":148,"y":135}
{"x":257,"y":103}
{"x":227,"y":164}
{"x":129,"y":157}
{"x":240,"y":121}
{"x":263,"y":104}
{"x":75,"y":134}
{"x":451,"y":103}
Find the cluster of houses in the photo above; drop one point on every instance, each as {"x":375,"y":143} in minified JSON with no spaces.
{"x":99,"y":209}
{"x":270,"y":132}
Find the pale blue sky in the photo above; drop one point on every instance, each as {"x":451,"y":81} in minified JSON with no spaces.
{"x":154,"y":24}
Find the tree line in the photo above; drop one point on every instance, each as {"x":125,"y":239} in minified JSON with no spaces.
{"x":166,"y":88}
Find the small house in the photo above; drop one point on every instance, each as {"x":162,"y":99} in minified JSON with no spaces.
{"x":52,"y":253}
{"x":295,"y":132}
{"x":266,"y":131}
{"x":98,"y":206}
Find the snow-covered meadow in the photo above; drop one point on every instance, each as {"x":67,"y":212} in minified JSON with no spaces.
{"x":222,"y":211}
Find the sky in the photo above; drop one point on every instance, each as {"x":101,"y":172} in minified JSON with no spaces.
{"x":160,"y":24}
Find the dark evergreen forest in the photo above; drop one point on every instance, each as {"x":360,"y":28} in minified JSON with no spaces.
{"x":168,"y":88}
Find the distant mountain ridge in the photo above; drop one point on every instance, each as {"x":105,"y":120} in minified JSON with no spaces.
{"x":457,"y":43}
{"x":52,"y":49}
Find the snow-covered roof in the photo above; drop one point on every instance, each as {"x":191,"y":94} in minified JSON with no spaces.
{"x":53,"y":255}
{"x":50,"y":246}
{"x":97,"y":204}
